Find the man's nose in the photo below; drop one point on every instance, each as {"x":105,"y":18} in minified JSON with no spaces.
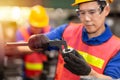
{"x":87,"y":17}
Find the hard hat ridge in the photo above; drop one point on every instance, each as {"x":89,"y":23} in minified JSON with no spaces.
{"x":77,"y":2}
{"x":80,"y":1}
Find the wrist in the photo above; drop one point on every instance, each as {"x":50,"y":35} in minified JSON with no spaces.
{"x":99,"y":76}
{"x":93,"y":73}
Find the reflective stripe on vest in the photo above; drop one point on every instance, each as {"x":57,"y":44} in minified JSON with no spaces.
{"x":95,"y":61}
{"x":34,"y":66}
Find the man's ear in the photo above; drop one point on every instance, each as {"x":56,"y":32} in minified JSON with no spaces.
{"x":107,"y":10}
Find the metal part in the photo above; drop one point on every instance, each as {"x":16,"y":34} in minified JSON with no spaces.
{"x":57,"y":43}
{"x":67,"y":51}
{"x":16,"y":43}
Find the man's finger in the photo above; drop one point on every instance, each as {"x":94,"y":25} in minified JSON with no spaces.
{"x":71,"y":62}
{"x":77,"y":59}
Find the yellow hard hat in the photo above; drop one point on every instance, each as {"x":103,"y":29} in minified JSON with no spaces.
{"x":82,"y":1}
{"x":38,"y":17}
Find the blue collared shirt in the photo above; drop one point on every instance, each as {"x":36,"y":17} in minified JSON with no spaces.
{"x":113,"y":67}
{"x":99,"y":39}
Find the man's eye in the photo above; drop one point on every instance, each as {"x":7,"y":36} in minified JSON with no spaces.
{"x":82,"y":13}
{"x":91,"y":12}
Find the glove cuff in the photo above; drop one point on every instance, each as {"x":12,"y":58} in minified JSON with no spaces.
{"x":87,"y":71}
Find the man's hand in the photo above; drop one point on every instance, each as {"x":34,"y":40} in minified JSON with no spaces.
{"x":75,"y":63}
{"x":38,"y":42}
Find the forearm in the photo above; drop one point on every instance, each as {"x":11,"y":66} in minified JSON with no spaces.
{"x":24,"y":49}
{"x":17,"y":51}
{"x":99,"y":76}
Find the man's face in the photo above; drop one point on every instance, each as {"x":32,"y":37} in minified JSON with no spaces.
{"x":92,"y":17}
{"x":36,"y":30}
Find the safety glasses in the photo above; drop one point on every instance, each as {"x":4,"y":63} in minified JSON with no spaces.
{"x":90,"y":12}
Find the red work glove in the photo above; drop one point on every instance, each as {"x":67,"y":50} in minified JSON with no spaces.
{"x":38,"y":42}
{"x":75,"y":63}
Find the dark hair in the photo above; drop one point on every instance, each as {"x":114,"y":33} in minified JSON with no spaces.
{"x":102,"y":4}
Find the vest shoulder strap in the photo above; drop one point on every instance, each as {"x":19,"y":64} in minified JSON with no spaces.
{"x":24,"y":33}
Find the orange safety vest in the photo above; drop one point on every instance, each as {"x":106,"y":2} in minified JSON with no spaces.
{"x":33,"y":62}
{"x":97,"y":56}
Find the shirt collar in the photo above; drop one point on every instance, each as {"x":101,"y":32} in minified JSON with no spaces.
{"x":99,"y":39}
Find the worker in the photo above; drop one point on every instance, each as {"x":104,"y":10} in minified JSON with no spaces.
{"x":92,"y":39}
{"x":38,"y":23}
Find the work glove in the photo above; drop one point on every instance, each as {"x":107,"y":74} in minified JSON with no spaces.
{"x":75,"y":63}
{"x":38,"y":42}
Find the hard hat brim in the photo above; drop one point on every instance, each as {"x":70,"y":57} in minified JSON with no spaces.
{"x":39,"y":25}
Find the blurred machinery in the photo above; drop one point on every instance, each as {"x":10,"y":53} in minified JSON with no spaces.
{"x":1,"y":53}
{"x":114,"y":17}
{"x":10,"y":65}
